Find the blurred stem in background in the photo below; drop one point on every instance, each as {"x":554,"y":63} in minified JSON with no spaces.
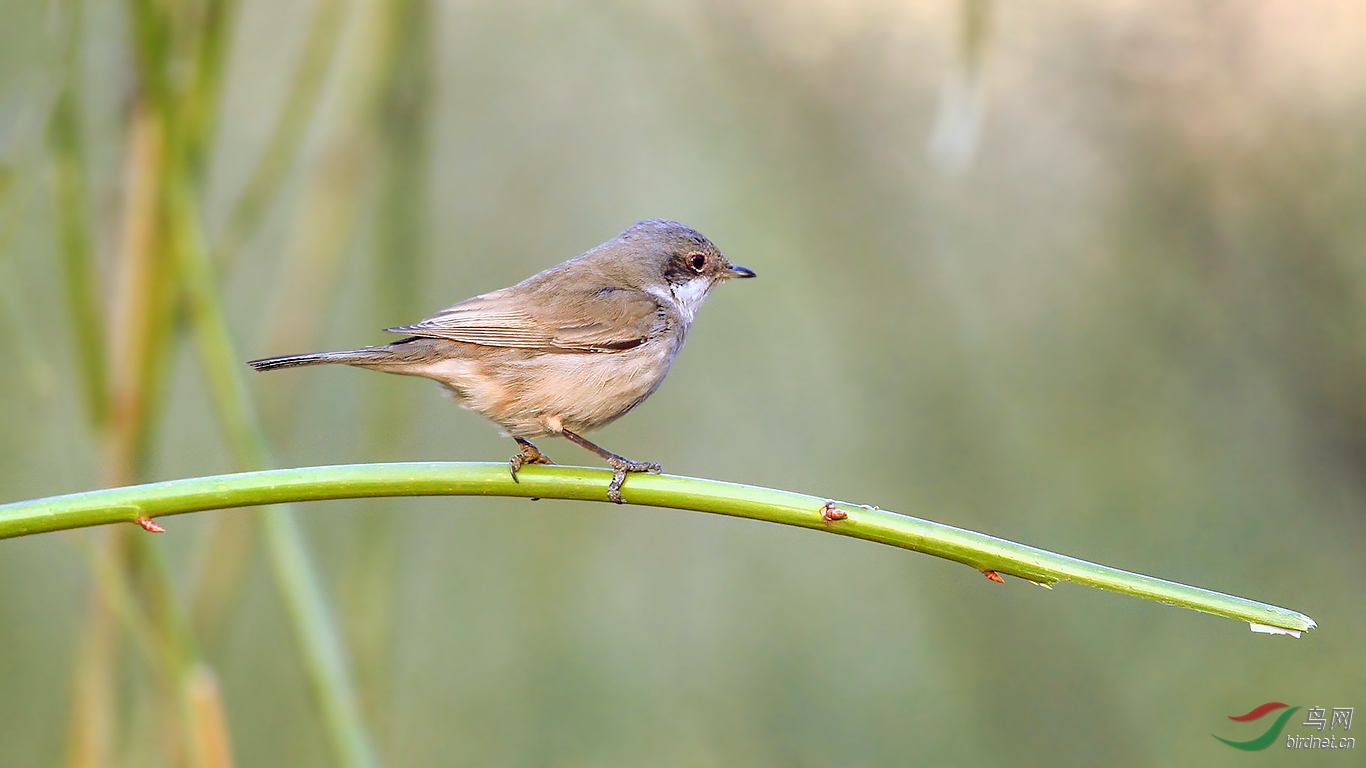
{"x":227,"y":547}
{"x":399,"y":263}
{"x":309,"y":268}
{"x":14,"y":313}
{"x":124,"y":403}
{"x":140,"y":316}
{"x":957,"y":129}
{"x":400,"y":249}
{"x":208,"y":30}
{"x":380,"y":124}
{"x":73,"y":225}
{"x":272,"y":167}
{"x":179,"y":53}
{"x":302,"y":594}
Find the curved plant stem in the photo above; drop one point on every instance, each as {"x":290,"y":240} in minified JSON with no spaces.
{"x":985,"y":553}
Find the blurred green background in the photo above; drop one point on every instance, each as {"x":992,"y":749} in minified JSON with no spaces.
{"x":1088,"y":277}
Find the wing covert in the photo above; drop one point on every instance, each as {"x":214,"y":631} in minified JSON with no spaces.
{"x":609,"y":320}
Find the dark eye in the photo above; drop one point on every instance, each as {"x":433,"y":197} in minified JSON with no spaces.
{"x":697,"y":261}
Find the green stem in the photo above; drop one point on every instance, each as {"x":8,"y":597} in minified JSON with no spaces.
{"x":980,"y":551}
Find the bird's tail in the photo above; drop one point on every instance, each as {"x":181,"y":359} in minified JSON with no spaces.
{"x":367,"y":356}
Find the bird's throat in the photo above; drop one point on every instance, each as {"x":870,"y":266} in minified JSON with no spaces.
{"x":689,"y":296}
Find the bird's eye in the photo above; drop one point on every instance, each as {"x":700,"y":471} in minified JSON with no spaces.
{"x":697,"y":261}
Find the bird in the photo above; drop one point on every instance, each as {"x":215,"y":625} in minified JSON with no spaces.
{"x":568,"y":350}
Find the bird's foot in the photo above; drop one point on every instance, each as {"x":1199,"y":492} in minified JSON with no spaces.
{"x":529,"y":455}
{"x":620,"y":466}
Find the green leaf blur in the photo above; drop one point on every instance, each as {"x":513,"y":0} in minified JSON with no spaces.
{"x":1087,"y":276}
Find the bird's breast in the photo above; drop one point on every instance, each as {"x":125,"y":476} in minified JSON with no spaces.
{"x":587,"y":391}
{"x":529,"y":393}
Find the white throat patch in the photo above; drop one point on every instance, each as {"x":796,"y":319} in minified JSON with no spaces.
{"x":688,"y":297}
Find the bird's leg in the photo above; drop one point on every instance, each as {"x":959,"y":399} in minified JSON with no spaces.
{"x":620,"y":465}
{"x":529,"y":455}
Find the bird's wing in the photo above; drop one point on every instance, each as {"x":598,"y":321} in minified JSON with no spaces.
{"x":609,"y":320}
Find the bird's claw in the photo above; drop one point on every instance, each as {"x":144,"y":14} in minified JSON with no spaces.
{"x":619,"y":470}
{"x":529,"y":455}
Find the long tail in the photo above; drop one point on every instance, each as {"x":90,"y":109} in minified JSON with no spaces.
{"x":368,"y":356}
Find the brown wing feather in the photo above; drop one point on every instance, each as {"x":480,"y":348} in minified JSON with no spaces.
{"x":609,"y":320}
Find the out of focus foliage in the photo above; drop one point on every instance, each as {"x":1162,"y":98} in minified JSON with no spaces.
{"x":1086,"y":276}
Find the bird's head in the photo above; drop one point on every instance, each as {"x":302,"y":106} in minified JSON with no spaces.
{"x":678,"y":263}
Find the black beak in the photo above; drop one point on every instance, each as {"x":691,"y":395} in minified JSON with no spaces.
{"x":739,"y":271}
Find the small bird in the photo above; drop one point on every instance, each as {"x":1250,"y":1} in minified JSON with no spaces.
{"x":567,"y":350}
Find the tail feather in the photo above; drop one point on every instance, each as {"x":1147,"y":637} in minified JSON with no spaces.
{"x":349,"y":357}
